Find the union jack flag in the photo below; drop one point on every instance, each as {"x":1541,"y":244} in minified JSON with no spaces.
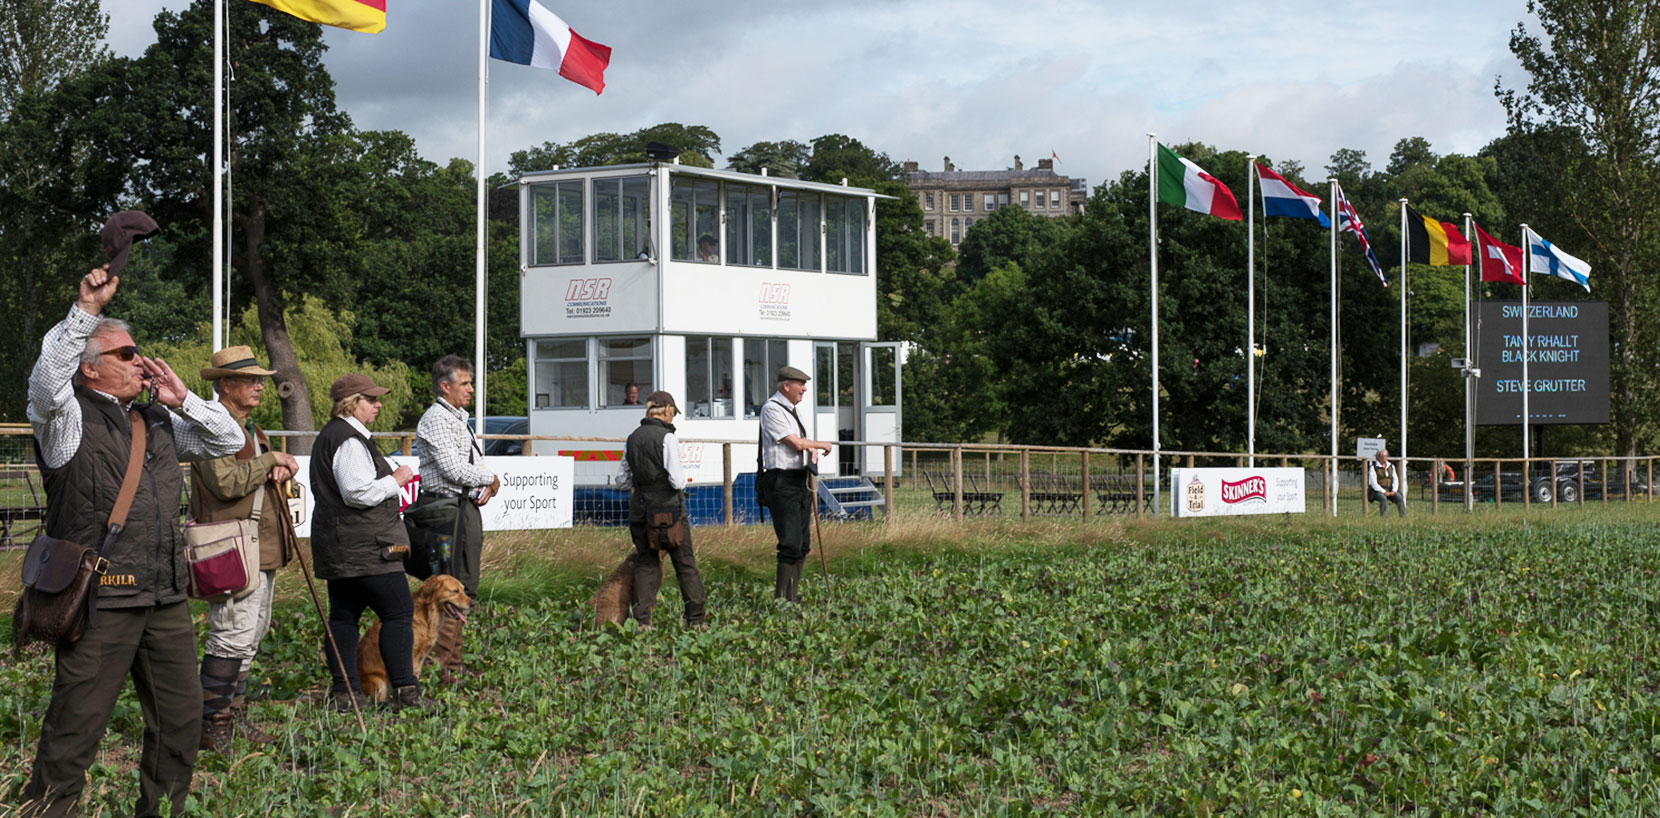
{"x":1348,"y":221}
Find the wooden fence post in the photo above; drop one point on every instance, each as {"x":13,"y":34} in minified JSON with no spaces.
{"x":726,"y":484}
{"x":957,"y":483}
{"x":1140,"y":486}
{"x":1025,"y":485}
{"x":1086,"y":487}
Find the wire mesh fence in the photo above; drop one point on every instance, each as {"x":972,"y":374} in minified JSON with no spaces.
{"x":980,"y":481}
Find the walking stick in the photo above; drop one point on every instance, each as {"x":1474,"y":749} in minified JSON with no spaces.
{"x":823,"y":562}
{"x":328,"y":633}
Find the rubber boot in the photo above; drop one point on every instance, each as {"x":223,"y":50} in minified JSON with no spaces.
{"x":781,"y":582}
{"x":218,"y":692}
{"x":793,"y":591}
{"x":239,"y":710}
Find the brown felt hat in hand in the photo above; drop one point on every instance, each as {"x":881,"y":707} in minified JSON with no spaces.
{"x":121,"y":231}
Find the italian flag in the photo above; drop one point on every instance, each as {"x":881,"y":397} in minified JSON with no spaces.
{"x":1183,"y":183}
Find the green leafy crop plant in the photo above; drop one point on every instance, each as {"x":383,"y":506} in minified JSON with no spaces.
{"x":1234,"y":667}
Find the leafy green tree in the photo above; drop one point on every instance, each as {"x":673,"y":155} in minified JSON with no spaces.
{"x":836,"y":156}
{"x":784,"y":158}
{"x":44,"y":41}
{"x":1595,"y":71}
{"x":697,"y":143}
{"x":322,"y":340}
{"x":1010,"y":234}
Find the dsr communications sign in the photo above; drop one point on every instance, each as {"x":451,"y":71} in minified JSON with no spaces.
{"x":1567,"y":362}
{"x":1222,"y":492}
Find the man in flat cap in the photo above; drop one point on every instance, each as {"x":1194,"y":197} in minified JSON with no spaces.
{"x":657,"y":522}
{"x":787,"y":456}
{"x":83,"y":399}
{"x":242,"y":486}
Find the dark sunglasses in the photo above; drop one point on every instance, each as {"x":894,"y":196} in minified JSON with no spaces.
{"x":123,"y":354}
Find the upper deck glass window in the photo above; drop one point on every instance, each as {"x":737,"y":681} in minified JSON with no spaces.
{"x":622,"y":228}
{"x":798,"y":230}
{"x":557,"y":209}
{"x":694,"y":215}
{"x":844,"y":234}
{"x":748,"y":225}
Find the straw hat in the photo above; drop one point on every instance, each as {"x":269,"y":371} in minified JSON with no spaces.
{"x":232,"y":362}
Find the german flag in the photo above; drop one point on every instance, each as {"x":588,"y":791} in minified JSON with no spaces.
{"x":1438,"y":244}
{"x":368,"y":16}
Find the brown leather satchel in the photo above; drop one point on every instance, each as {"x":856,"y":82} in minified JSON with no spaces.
{"x":665,"y":529}
{"x":60,"y":591}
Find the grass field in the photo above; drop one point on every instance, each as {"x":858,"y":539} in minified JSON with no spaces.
{"x":1285,"y":666}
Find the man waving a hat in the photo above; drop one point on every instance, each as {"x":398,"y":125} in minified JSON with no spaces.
{"x":242,"y":486}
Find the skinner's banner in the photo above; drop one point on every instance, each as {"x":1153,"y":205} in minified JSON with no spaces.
{"x":1222,"y":492}
{"x":535,"y":492}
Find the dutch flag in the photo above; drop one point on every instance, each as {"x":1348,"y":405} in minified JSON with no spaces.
{"x":525,"y":32}
{"x":1281,"y":198}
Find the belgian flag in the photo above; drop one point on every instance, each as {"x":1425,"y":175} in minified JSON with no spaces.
{"x":1438,"y":244}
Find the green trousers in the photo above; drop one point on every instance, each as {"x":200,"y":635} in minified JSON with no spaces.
{"x":156,"y":646}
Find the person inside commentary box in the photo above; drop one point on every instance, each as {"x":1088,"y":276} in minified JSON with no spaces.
{"x":227,"y":488}
{"x":652,"y":474}
{"x":83,"y":393}
{"x":359,"y":543}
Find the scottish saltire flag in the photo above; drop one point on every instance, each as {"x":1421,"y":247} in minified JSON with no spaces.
{"x":1281,"y":198}
{"x":1547,"y":258}
{"x":1348,"y":221}
{"x":525,"y":32}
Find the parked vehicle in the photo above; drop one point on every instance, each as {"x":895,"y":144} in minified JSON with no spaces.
{"x":1563,"y":480}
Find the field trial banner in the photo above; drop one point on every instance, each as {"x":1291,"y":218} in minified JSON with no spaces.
{"x":1567,"y":362}
{"x":1224,"y":492}
{"x":535,"y":492}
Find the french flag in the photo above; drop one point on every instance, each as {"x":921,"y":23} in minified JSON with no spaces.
{"x":525,"y":32}
{"x":1281,"y":198}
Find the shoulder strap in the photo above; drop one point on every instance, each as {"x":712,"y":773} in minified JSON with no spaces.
{"x":129,"y":483}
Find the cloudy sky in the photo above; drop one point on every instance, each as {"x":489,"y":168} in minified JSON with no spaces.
{"x":974,"y":80}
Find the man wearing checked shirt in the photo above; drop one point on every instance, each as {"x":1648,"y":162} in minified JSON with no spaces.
{"x":452,"y":465}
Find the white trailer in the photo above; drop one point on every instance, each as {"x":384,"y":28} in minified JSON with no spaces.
{"x":701,"y":282}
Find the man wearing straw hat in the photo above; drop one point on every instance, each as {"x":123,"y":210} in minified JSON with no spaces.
{"x":236,"y":487}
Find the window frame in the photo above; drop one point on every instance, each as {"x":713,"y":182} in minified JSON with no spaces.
{"x":558,"y":188}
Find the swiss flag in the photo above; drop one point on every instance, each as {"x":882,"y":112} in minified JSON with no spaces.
{"x":1499,"y":261}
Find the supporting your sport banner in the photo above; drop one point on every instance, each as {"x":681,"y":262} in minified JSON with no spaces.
{"x":535,"y":492}
{"x":1223,"y":492}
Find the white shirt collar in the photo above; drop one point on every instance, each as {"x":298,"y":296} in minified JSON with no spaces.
{"x":356,"y":425}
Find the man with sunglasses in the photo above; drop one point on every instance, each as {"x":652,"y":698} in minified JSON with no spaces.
{"x":82,"y":393}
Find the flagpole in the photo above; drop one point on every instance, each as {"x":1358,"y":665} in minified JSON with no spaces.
{"x":1334,"y":217}
{"x":218,"y":266}
{"x":1402,"y":453}
{"x":1527,"y":386}
{"x":1153,"y":259}
{"x":1469,"y":358}
{"x":480,"y":365}
{"x":1250,"y":312}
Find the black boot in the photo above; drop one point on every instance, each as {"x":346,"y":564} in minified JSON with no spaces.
{"x":781,"y":582}
{"x":793,"y":592}
{"x":409,"y":697}
{"x":218,"y":692}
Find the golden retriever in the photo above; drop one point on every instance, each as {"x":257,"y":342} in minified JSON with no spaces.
{"x":441,"y":595}
{"x":615,"y":597}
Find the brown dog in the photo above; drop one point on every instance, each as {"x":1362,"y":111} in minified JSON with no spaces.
{"x":441,"y":595}
{"x":615,"y":597}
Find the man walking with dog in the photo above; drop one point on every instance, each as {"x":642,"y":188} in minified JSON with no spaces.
{"x":657,"y":511}
{"x":787,"y":458}
{"x":83,"y":402}
{"x":454,"y":484}
{"x":242,"y":486}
